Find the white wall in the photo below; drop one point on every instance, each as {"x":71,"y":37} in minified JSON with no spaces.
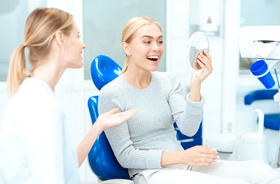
{"x":181,"y":15}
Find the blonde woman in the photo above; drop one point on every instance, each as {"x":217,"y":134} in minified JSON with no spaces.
{"x":34,"y":143}
{"x":146,"y":144}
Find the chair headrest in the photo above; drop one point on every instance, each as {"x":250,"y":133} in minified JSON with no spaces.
{"x":104,"y":70}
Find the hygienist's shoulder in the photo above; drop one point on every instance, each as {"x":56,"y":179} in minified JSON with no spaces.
{"x":33,"y":92}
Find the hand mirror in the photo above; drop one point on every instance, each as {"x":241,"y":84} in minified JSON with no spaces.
{"x":196,"y":43}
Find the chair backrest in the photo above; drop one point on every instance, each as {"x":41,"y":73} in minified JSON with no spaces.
{"x":103,"y":70}
{"x":101,"y":157}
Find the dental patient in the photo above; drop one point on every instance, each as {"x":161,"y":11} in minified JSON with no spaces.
{"x":146,"y":144}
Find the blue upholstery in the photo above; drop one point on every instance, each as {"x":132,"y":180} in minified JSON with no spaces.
{"x":271,"y":120}
{"x":262,"y":94}
{"x":187,"y":141}
{"x":103,"y":70}
{"x":101,"y":157}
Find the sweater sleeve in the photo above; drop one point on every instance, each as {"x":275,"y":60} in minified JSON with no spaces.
{"x":187,"y":114}
{"x":119,"y":137}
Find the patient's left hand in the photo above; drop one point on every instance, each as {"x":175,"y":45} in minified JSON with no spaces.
{"x":200,"y":156}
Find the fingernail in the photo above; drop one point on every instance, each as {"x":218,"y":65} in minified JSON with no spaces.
{"x":214,"y":150}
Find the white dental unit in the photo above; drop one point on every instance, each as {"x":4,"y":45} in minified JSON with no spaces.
{"x":263,"y":43}
{"x":256,"y":43}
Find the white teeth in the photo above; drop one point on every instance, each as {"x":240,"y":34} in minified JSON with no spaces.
{"x":153,"y":57}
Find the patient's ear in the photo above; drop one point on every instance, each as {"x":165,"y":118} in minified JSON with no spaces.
{"x":126,"y":48}
{"x":59,"y":37}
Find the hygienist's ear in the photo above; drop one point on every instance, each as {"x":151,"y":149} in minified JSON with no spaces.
{"x":59,"y":37}
{"x":126,"y":48}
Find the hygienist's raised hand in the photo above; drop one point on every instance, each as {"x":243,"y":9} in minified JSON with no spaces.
{"x":194,"y":156}
{"x":114,"y":117}
{"x":103,"y":122}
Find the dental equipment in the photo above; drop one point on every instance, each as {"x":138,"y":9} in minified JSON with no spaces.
{"x":262,"y":43}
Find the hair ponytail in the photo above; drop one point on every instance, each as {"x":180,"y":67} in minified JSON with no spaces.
{"x":40,"y":28}
{"x":17,"y":69}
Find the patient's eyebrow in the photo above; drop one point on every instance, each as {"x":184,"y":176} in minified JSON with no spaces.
{"x":149,"y":36}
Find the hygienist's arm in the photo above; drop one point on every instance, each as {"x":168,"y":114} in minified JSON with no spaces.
{"x":103,"y":122}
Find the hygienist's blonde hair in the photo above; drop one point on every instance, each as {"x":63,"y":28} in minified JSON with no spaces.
{"x":40,"y":29}
{"x":131,"y":27}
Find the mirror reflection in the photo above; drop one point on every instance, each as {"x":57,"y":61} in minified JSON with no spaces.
{"x":197,"y":42}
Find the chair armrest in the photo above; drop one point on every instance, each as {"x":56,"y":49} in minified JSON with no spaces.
{"x":262,"y":94}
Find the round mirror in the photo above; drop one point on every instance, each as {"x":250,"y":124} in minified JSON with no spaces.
{"x":196,"y":43}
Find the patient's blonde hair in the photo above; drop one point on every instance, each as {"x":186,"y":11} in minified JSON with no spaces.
{"x":131,"y":27}
{"x":40,"y":29}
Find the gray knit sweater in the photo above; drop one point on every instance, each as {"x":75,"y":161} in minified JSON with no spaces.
{"x":139,"y":142}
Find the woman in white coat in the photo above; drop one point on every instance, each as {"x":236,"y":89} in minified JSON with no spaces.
{"x":35,"y":145}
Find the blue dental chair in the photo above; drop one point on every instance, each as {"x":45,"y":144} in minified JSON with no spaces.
{"x":271,"y":120}
{"x":101,"y":157}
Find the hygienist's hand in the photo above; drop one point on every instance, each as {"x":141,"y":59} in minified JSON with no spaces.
{"x":103,"y":122}
{"x":200,"y":156}
{"x":114,"y":118}
{"x":203,"y":61}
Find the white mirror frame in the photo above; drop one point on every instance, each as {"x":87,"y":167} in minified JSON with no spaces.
{"x":193,"y":38}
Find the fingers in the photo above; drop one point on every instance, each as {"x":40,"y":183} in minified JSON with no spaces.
{"x":204,"y":60}
{"x":206,"y":161}
{"x":113,"y":111}
{"x":206,"y":150}
{"x":127,"y":114}
{"x":114,"y":118}
{"x":206,"y":156}
{"x":196,"y":65}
